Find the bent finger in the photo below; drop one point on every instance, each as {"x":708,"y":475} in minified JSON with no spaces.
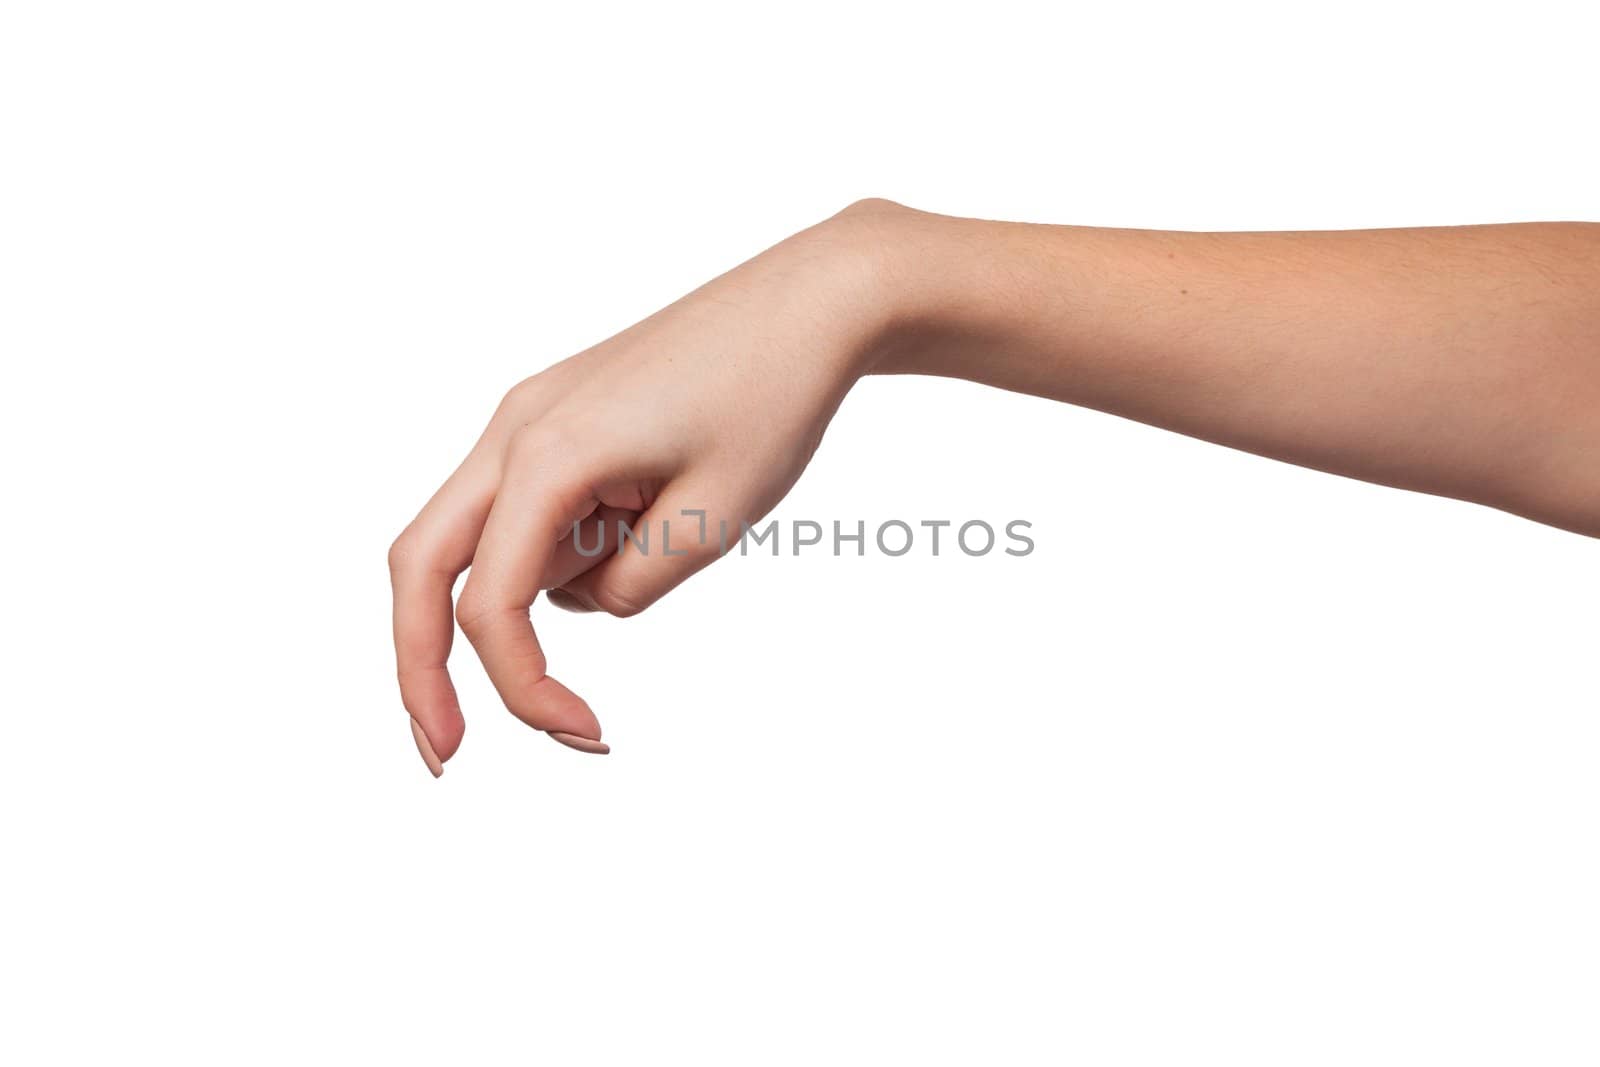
{"x":423,"y":565}
{"x":536,"y":500}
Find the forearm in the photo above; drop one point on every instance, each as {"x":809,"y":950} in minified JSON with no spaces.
{"x":1461,"y":361}
{"x":1464,"y":362}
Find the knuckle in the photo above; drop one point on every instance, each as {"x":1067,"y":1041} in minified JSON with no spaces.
{"x":524,"y":446}
{"x":402,"y":551}
{"x":527,"y":449}
{"x":473,"y":615}
{"x":545,"y":441}
{"x":519,"y":397}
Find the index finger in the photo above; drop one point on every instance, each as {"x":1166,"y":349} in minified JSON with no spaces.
{"x":534,"y":503}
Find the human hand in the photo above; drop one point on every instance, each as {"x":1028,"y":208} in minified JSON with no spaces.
{"x":703,"y":414}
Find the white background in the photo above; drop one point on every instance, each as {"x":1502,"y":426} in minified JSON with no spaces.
{"x":1244,"y":765}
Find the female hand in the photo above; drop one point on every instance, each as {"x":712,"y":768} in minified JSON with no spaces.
{"x":1458,"y":360}
{"x":703,"y":414}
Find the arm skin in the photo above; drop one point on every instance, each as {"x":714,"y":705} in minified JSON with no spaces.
{"x":1461,"y":361}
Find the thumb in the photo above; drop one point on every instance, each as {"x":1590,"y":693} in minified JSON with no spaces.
{"x":678,"y":535}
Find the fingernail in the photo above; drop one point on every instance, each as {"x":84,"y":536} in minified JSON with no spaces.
{"x":566,"y":601}
{"x":582,"y":744}
{"x":426,"y":748}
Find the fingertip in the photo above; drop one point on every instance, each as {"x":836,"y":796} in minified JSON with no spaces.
{"x":553,"y":708}
{"x":430,"y":699}
{"x":425,"y":749}
{"x":582,"y":744}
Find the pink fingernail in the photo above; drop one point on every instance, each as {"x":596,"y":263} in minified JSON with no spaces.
{"x":425,"y":747}
{"x":582,"y":744}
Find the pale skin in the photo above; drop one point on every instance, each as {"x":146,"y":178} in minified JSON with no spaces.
{"x":1461,"y":361}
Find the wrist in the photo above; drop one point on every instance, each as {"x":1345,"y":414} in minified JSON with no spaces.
{"x":883,"y":257}
{"x":991,"y":302}
{"x":932,"y":280}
